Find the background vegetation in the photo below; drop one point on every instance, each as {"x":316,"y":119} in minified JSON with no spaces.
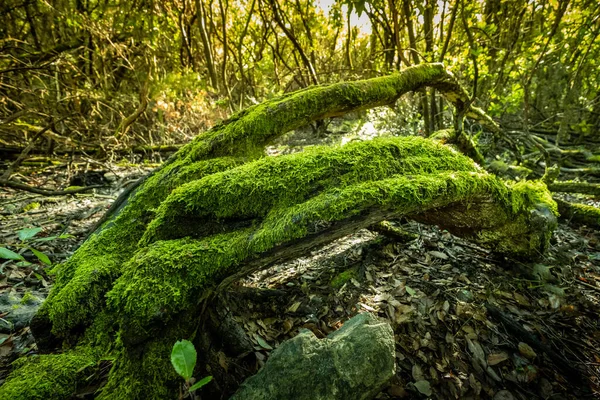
{"x":101,"y":75}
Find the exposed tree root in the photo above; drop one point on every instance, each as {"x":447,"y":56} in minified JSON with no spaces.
{"x":47,"y":192}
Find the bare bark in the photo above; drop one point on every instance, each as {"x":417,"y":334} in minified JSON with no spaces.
{"x":290,"y":35}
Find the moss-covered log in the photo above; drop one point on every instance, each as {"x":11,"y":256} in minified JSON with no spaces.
{"x":218,"y":210}
{"x":580,"y":214}
{"x":575,"y":187}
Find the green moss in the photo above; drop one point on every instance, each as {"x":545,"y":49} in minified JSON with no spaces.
{"x":161,"y":279}
{"x":581,"y":214}
{"x":147,"y":373}
{"x":45,"y":377}
{"x":29,"y":298}
{"x":343,"y":277}
{"x":83,"y":280}
{"x":31,"y":206}
{"x":289,"y":197}
{"x":587,"y":212}
{"x":253,"y":189}
{"x":528,"y":194}
{"x":594,"y":158}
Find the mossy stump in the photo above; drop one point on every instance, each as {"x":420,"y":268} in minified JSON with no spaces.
{"x":218,"y":210}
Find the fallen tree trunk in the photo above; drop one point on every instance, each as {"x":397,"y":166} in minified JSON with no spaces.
{"x":211,"y":215}
{"x":579,"y":214}
{"x":575,"y":187}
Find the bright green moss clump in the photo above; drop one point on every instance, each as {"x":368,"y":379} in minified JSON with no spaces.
{"x":288,"y":198}
{"x":343,"y":277}
{"x":48,"y":377}
{"x":252,"y":190}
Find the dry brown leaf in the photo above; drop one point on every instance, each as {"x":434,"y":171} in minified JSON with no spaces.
{"x":522,"y":300}
{"x":417,"y":373}
{"x":438,"y":254}
{"x":403,"y":313}
{"x":497,"y":358}
{"x":526,"y":351}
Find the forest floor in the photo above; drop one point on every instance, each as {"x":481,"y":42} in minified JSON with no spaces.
{"x":467,"y":324}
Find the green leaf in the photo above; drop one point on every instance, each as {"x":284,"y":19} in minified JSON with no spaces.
{"x":49,"y":238}
{"x":263,"y":343}
{"x":424,"y":387}
{"x":410,"y":290}
{"x":23,"y":263}
{"x":28,"y":233}
{"x":9,"y":255}
{"x":41,"y":256}
{"x":183,"y":358}
{"x":201,"y":383}
{"x":360,"y":7}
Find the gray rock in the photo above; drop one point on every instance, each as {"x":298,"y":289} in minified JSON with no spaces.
{"x":355,"y":362}
{"x":19,"y":310}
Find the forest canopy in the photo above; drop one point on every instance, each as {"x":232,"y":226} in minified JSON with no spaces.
{"x":103,"y":74}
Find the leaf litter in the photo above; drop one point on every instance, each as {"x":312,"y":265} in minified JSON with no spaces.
{"x":467,"y":324}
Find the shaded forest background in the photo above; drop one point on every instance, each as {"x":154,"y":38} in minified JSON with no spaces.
{"x":104,"y":75}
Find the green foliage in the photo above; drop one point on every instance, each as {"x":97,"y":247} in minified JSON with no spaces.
{"x":183,"y":358}
{"x":200,"y":383}
{"x":9,"y":254}
{"x":28,"y":233}
{"x":27,"y":238}
{"x":343,"y":277}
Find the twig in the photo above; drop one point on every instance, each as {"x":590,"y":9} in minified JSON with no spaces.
{"x":12,"y":167}
{"x":517,"y":329}
{"x":596,"y":288}
{"x":46,"y":192}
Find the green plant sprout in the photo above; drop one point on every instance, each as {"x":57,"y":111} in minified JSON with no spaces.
{"x":27,"y":240}
{"x":183,"y":358}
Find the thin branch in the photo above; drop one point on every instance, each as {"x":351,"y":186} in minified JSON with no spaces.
{"x":46,"y":192}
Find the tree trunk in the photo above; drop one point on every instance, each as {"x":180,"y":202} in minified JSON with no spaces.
{"x":207,"y":46}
